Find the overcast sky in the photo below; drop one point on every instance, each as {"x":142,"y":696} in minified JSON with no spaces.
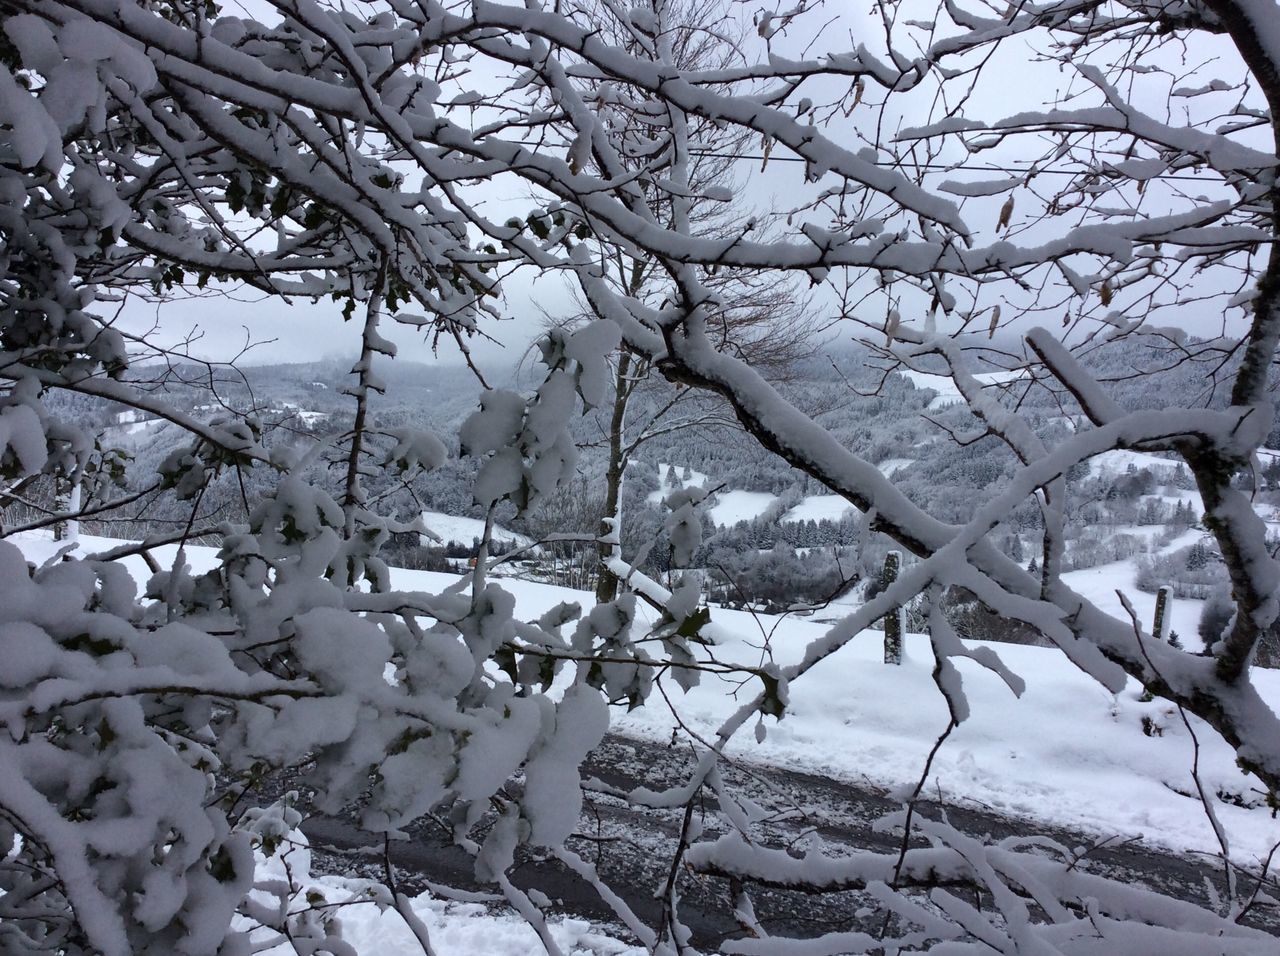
{"x":304,"y":331}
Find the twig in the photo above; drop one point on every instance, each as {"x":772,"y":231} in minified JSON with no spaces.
{"x":1218,"y":831}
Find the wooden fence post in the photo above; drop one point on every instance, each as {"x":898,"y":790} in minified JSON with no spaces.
{"x":1160,"y":627}
{"x":66,"y":499}
{"x":895,"y":620}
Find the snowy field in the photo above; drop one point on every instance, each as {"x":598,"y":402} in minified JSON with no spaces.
{"x":891,"y":465}
{"x":945,"y":386}
{"x":1112,"y":464}
{"x":820,"y":508}
{"x":465,"y":531}
{"x":685,"y":477}
{"x":305,"y":415}
{"x":730,"y":507}
{"x":132,"y":423}
{"x":733,"y":505}
{"x":1067,"y":752}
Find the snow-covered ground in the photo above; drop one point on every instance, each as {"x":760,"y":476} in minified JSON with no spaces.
{"x":1099,"y":585}
{"x":945,"y":386}
{"x":890,"y":465}
{"x":458,"y":929}
{"x":730,"y":507}
{"x":131,"y":422}
{"x":820,"y":508}
{"x":1175,"y":496}
{"x":1067,"y":752}
{"x":145,"y":425}
{"x":466,"y":530}
{"x":454,"y":928}
{"x":1117,"y":461}
{"x":305,"y":415}
{"x":685,"y":477}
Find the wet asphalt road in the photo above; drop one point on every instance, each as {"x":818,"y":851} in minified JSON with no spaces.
{"x":633,"y":848}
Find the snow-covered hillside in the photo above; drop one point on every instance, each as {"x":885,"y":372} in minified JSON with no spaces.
{"x":673,"y":478}
{"x":132,"y":426}
{"x":465,"y":531}
{"x":735,"y":505}
{"x":945,"y":386}
{"x":1118,"y":461}
{"x":820,"y":508}
{"x":728,"y":506}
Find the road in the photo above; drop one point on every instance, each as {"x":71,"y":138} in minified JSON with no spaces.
{"x":632,"y":848}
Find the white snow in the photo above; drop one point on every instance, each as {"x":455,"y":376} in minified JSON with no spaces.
{"x":820,"y":508}
{"x":307,"y":416}
{"x":454,"y":928}
{"x":132,"y":422}
{"x":696,"y":479}
{"x":466,"y":530}
{"x":1099,"y":585}
{"x":891,"y":465}
{"x":461,"y":929}
{"x":1117,"y":462}
{"x":730,"y":507}
{"x":948,"y":393}
{"x":1067,"y":752}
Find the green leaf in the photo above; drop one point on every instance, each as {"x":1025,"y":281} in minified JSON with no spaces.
{"x":691,"y":627}
{"x":546,"y":672}
{"x":222,"y":867}
{"x":235,"y":194}
{"x":96,"y":646}
{"x":772,"y":703}
{"x":281,"y":201}
{"x":314,"y":216}
{"x":505,"y":658}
